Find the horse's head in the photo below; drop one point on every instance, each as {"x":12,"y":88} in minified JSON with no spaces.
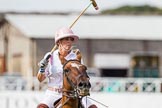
{"x":76,"y":78}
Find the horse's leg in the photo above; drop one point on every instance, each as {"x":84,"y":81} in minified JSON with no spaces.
{"x":92,"y":106}
{"x":42,"y":106}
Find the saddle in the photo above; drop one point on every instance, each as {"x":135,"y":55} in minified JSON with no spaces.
{"x":57,"y":103}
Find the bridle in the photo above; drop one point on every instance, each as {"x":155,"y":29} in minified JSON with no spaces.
{"x":66,"y":71}
{"x":74,"y":93}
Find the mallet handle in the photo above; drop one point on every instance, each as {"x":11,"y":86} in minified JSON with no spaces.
{"x":54,"y":48}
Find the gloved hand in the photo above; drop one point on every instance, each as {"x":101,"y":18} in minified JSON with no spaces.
{"x":44,"y":62}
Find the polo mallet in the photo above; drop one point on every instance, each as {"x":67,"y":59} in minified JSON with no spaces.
{"x":92,"y":2}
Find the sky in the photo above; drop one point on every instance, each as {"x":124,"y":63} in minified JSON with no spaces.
{"x":68,"y":5}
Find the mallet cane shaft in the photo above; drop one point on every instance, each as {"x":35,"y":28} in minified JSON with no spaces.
{"x":80,"y":15}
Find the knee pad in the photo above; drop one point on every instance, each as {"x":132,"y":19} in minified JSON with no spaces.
{"x":42,"y":106}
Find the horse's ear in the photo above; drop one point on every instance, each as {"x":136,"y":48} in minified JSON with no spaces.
{"x":78,"y":53}
{"x":85,"y":67}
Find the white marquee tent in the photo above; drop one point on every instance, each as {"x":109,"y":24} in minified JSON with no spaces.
{"x":91,"y":27}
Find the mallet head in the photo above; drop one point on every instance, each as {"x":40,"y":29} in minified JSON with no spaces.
{"x":94,"y":4}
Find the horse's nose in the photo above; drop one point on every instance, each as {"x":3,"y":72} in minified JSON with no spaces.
{"x":89,"y":85}
{"x":84,"y":85}
{"x":81,"y":84}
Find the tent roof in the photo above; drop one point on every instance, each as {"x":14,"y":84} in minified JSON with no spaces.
{"x":91,"y":27}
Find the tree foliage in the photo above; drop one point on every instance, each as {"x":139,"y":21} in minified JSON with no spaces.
{"x":134,"y":10}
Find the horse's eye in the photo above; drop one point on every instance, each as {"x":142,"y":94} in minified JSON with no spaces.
{"x":66,"y":70}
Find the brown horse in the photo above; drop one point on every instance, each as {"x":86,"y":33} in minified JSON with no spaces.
{"x":76,"y":84}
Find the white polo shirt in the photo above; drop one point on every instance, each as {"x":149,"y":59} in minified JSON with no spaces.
{"x":54,"y":70}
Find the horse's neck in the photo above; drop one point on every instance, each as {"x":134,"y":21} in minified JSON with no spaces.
{"x":70,"y":102}
{"x":67,"y":101}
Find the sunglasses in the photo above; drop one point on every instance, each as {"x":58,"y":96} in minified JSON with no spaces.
{"x":69,"y":39}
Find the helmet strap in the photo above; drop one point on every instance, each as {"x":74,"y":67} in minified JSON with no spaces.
{"x":62,"y":48}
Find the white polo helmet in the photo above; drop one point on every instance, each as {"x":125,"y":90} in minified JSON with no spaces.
{"x":63,"y":33}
